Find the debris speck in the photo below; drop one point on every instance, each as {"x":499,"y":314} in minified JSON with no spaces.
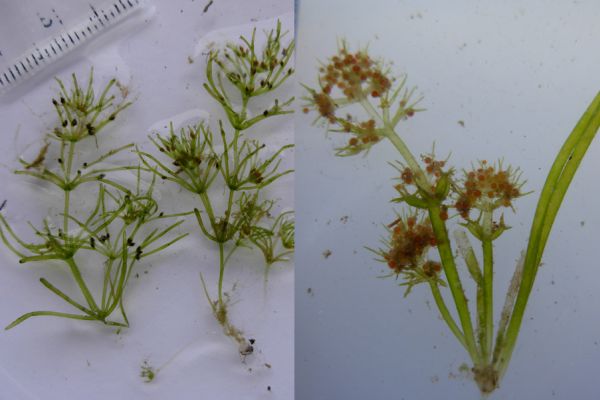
{"x":207,"y":6}
{"x":246,"y":349}
{"x":268,"y":365}
{"x":461,"y":123}
{"x":326,"y":253}
{"x":344,"y":219}
{"x":124,"y":89}
{"x":190,"y":60}
{"x":147,"y":372}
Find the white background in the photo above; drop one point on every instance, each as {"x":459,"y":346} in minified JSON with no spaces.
{"x":519,"y":74}
{"x":50,"y":358}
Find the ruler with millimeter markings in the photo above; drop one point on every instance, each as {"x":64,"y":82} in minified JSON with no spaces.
{"x":36,"y":32}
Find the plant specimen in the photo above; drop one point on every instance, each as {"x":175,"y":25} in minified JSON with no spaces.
{"x":434,"y":195}
{"x":112,"y":236}
{"x":228,"y":172}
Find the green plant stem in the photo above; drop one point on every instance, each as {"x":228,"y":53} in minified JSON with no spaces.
{"x":66,"y":212}
{"x":439,"y":301}
{"x":443,"y":242}
{"x":209,"y":211}
{"x":488,"y":287}
{"x":398,"y":143}
{"x":559,"y":178}
{"x":406,"y":154}
{"x":81,"y":283}
{"x":49,"y":314}
{"x":68,"y":192}
{"x":221,"y":273}
{"x":447,"y":258}
{"x":441,"y":234}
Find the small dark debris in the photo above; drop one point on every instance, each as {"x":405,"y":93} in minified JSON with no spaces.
{"x":246,"y":349}
{"x":252,"y":341}
{"x":207,"y":6}
{"x":326,"y":253}
{"x":267,"y":365}
{"x":269,"y":388}
{"x":461,"y":123}
{"x":344,"y":219}
{"x":582,"y":223}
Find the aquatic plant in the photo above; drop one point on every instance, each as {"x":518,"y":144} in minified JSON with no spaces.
{"x":237,"y":215}
{"x":433,"y":193}
{"x":112,"y":235}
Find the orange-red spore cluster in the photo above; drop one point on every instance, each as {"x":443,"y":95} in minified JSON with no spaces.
{"x":487,"y":182}
{"x":433,"y":167}
{"x":355,"y":74}
{"x":410,"y":241}
{"x":407,"y":176}
{"x":432,"y":268}
{"x":325,"y":106}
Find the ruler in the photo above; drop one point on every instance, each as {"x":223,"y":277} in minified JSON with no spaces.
{"x":36,"y":33}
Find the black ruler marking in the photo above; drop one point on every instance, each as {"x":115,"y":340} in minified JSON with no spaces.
{"x":28,"y":63}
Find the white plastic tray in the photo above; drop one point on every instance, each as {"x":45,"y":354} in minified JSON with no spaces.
{"x":50,"y":358}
